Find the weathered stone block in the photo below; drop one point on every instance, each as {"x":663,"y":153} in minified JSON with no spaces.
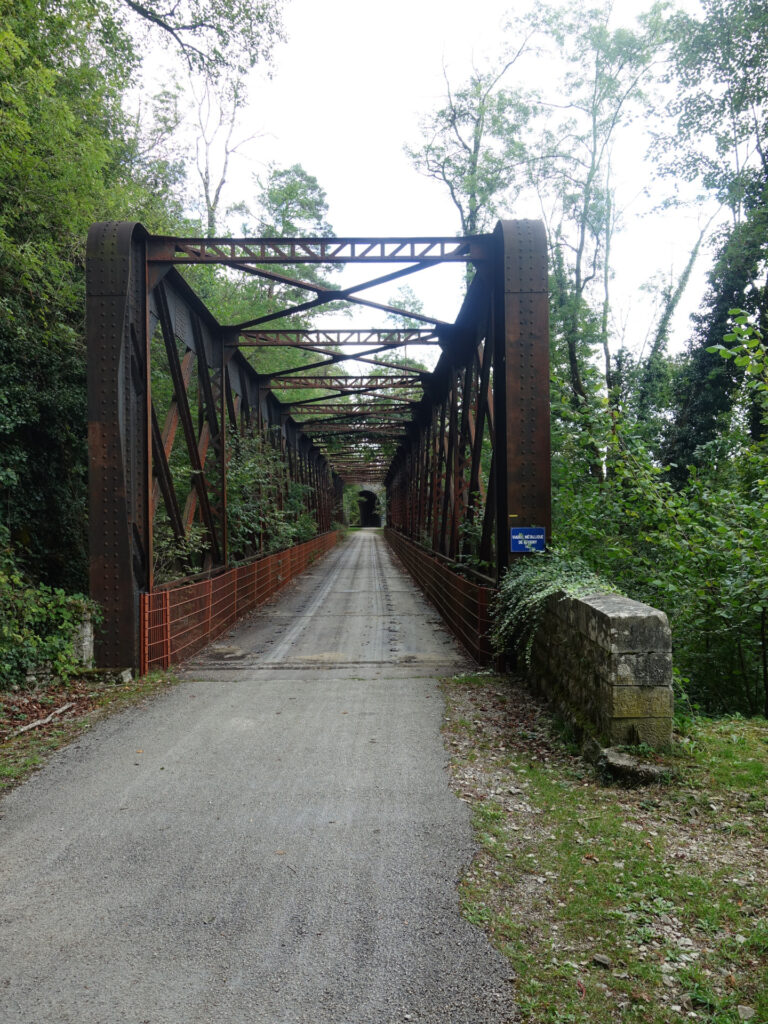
{"x":656,"y":732}
{"x":641,"y":702}
{"x":83,"y":641}
{"x":626,"y":669}
{"x":608,"y":660}
{"x":649,"y":669}
{"x":622,"y":625}
{"x":657,"y":670}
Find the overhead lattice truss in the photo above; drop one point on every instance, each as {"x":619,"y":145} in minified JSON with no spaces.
{"x":463,"y":450}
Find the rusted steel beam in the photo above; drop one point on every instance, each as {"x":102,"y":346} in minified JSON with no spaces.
{"x":313,"y":338}
{"x":196,"y":455}
{"x":477,"y":425}
{"x":164,"y":481}
{"x":372,"y":405}
{"x":119,"y":436}
{"x":353,"y":428}
{"x":341,"y":413}
{"x":247,"y":251}
{"x":521,"y":382}
{"x":471,"y":453}
{"x":322,"y":435}
{"x":334,"y":359}
{"x":171,"y":424}
{"x":346,"y":384}
{"x":328,"y":295}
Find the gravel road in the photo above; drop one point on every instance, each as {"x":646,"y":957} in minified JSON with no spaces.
{"x":272,"y":841}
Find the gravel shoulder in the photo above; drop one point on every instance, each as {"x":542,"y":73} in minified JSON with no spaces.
{"x":613,"y":904}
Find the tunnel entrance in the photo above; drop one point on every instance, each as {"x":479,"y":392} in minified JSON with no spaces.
{"x":370,"y":514}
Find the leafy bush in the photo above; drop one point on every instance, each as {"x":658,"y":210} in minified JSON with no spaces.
{"x":519,"y":604}
{"x":38,"y":625}
{"x":265,"y":510}
{"x":700,"y":552}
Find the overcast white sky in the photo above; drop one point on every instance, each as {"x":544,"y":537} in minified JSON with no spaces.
{"x":347,"y":92}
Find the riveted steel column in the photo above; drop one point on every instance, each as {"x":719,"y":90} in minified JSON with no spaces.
{"x":119,"y":436}
{"x":521,"y":382}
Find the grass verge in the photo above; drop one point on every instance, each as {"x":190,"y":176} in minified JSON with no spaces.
{"x":615,"y":904}
{"x":91,"y":697}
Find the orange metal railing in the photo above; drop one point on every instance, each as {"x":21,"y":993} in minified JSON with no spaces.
{"x":463,"y":604}
{"x":177,"y":619}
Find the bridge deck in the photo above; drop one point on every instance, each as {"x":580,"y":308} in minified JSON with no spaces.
{"x":272,"y":841}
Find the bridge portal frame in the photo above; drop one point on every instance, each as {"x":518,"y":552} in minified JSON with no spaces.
{"x":488,"y":393}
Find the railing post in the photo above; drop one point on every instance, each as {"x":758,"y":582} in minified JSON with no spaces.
{"x":166,"y":628}
{"x":144,"y":611}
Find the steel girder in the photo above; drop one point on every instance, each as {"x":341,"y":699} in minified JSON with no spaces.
{"x":258,"y":251}
{"x":476,"y":462}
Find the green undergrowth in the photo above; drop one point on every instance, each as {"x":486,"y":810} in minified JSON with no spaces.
{"x":615,"y":904}
{"x":519,"y":605}
{"x":38,"y":624}
{"x":92,"y":697}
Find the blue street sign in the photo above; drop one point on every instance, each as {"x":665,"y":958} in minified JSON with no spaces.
{"x":527,"y":538}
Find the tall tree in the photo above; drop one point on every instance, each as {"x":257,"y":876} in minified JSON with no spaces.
{"x":474,"y":144}
{"x":720,"y":140}
{"x":218,"y":115}
{"x":292,"y":204}
{"x":605,"y":73}
{"x":64,"y":140}
{"x":720,"y":101}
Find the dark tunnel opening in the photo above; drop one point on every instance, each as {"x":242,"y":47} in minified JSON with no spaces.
{"x":370,"y":514}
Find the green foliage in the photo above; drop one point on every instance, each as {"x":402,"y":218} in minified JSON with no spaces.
{"x":706,"y":387}
{"x":175,"y":557}
{"x":68,"y":156}
{"x":720,"y":98}
{"x":471,"y":535}
{"x":265,"y":510}
{"x":293,"y":205}
{"x":352,"y":504}
{"x":699,"y":552}
{"x":719,"y":110}
{"x":749,"y":352}
{"x":38,"y":625}
{"x":523,"y":594}
{"x":216,"y":37}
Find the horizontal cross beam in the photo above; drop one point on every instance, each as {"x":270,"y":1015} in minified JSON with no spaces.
{"x":231,"y":251}
{"x":373,"y":405}
{"x":314,"y":338}
{"x":349,"y":431}
{"x":360,"y":419}
{"x":345,"y":383}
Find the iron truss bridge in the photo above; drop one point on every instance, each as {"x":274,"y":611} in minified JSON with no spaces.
{"x":462,"y":450}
